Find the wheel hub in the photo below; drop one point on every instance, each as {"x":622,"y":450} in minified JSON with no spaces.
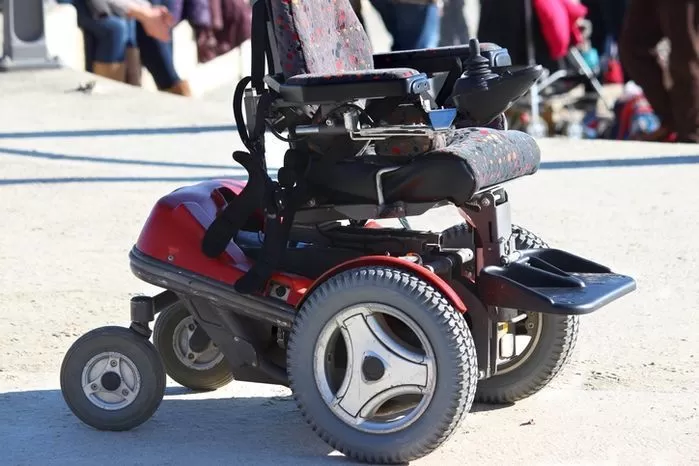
{"x":519,"y":342}
{"x":193,"y":347}
{"x":111,"y":381}
{"x":373,"y":369}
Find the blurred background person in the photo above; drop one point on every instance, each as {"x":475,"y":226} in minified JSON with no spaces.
{"x":675,"y":100}
{"x":453,"y":27}
{"x":123,"y":35}
{"x":412,"y":24}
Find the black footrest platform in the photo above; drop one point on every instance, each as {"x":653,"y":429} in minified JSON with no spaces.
{"x":552,"y":281}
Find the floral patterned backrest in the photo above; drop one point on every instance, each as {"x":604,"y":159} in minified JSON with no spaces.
{"x":319,"y":37}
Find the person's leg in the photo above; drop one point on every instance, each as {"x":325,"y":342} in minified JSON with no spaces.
{"x":109,"y":38}
{"x":453,"y":26}
{"x":133,"y":57}
{"x":417,"y":26}
{"x":431,"y":27}
{"x":387,"y":11}
{"x":412,"y":26}
{"x":681,"y":25}
{"x":463,"y":34}
{"x":640,"y":36}
{"x":157,"y":57}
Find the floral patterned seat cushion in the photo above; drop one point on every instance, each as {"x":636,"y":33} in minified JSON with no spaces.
{"x":468,"y":160}
{"x":319,"y":37}
{"x":493,"y":156}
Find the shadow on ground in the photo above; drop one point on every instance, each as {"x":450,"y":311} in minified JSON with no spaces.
{"x":36,"y":427}
{"x":118,"y":132}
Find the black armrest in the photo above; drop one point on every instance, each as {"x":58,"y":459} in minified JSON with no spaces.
{"x":440,"y":59}
{"x":348,"y":86}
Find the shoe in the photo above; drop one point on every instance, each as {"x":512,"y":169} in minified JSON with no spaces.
{"x":133,"y":66}
{"x":661,"y":134}
{"x":115,"y":71}
{"x":180,"y":88}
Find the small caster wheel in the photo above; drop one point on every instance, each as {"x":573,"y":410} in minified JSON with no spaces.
{"x":112,"y":379}
{"x":381,"y":365}
{"x":190,"y":357}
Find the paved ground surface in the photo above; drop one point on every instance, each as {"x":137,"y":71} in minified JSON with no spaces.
{"x":79,"y":174}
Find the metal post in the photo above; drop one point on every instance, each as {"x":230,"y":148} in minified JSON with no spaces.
{"x":536,"y":128}
{"x":24,"y":40}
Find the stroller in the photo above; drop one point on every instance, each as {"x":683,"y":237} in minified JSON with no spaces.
{"x":385,"y":336}
{"x":555,"y":35}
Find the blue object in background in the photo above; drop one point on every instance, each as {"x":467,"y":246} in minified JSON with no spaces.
{"x":592,"y":59}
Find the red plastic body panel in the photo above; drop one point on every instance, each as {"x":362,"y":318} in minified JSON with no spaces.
{"x":175,"y":228}
{"x":395,"y":262}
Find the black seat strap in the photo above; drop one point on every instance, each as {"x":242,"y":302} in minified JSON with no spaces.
{"x":258,"y":44}
{"x":236,"y":213}
{"x":227,"y":224}
{"x":277,"y":230}
{"x":260,"y":192}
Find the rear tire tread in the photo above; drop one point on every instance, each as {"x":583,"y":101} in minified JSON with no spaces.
{"x":454,"y":327}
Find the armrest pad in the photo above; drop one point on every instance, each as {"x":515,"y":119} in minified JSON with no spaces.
{"x":386,"y":74}
{"x":347,"y":86}
{"x":437,"y":59}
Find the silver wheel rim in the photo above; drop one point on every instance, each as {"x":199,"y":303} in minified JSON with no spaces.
{"x":348,"y":384}
{"x":202,"y":361}
{"x":111,"y":381}
{"x":527,"y":343}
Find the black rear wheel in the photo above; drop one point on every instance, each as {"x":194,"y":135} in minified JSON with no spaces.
{"x":200,"y":368}
{"x":381,"y":365}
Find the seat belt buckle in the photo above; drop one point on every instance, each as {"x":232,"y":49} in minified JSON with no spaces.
{"x":251,"y":101}
{"x":275,"y":202}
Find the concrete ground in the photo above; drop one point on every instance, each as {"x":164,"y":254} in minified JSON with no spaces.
{"x":80,"y":173}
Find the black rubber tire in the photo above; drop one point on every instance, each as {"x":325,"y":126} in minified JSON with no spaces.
{"x":144,"y":356}
{"x":455,"y":237}
{"x":525,"y":239}
{"x":558,"y":336}
{"x":444,"y":327}
{"x":198,"y":380}
{"x":557,"y":341}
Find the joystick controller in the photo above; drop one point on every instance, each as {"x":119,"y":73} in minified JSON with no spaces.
{"x":477,"y":73}
{"x":480,"y":95}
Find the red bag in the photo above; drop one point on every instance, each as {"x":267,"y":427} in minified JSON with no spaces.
{"x":231,"y":26}
{"x":558,"y":20}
